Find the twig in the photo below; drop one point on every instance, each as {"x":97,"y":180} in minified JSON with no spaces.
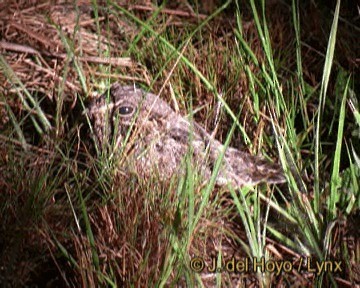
{"x":18,"y":48}
{"x":116,"y":61}
{"x":168,"y":11}
{"x":122,"y":77}
{"x":31,"y":33}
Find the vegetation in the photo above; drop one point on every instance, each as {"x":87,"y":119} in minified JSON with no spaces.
{"x":277,"y":79}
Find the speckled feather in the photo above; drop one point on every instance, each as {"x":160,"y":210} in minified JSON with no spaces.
{"x":162,"y":139}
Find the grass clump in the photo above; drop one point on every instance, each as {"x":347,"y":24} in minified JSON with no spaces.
{"x":74,"y":217}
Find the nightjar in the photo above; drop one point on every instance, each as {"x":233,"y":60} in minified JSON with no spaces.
{"x":160,"y":139}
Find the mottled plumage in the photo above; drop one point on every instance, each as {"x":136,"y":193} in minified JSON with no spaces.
{"x":163,"y":138}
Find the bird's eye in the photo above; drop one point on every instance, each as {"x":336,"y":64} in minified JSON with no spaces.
{"x":126,"y":110}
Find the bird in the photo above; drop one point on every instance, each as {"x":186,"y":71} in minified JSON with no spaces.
{"x":162,"y":139}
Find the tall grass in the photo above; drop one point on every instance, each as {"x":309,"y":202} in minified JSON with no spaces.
{"x":103,"y":226}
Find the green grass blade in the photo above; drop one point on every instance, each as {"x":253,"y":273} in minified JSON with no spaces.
{"x":15,"y":123}
{"x":12,"y":77}
{"x":335,"y":177}
{"x":211,"y":183}
{"x":324,"y":85}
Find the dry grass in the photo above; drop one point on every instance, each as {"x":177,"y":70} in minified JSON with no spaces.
{"x":71,"y":219}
